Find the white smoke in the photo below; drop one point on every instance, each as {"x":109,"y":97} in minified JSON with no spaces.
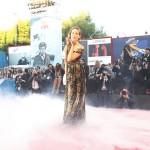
{"x":35,"y":123}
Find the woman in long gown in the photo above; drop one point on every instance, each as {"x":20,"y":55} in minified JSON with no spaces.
{"x":74,"y":110}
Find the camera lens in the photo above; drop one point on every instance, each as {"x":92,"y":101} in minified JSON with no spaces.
{"x":124,"y":92}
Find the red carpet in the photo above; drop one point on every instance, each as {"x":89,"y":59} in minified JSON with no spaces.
{"x":35,"y":123}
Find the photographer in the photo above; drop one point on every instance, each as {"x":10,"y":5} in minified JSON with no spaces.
{"x":48,"y":78}
{"x":103,"y":90}
{"x":146,"y":55}
{"x":25,"y":77}
{"x":19,"y":81}
{"x":125,"y":100}
{"x":35,"y":81}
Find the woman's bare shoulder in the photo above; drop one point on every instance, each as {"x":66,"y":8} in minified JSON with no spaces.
{"x":80,"y":46}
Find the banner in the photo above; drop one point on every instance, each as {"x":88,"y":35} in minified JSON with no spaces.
{"x":99,"y":49}
{"x":19,"y":55}
{"x":46,"y":30}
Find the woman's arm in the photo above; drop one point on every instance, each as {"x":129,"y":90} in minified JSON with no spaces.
{"x":133,"y":46}
{"x":129,"y":53}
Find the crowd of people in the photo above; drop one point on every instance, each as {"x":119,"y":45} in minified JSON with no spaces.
{"x":121,"y":77}
{"x":126,"y":77}
{"x":36,"y":79}
{"x":112,"y":77}
{"x":121,"y":74}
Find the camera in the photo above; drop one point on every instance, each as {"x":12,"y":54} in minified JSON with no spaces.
{"x":104,"y":73}
{"x":35,"y":74}
{"x":124,"y":92}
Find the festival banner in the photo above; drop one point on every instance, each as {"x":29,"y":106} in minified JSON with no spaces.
{"x":46,"y":30}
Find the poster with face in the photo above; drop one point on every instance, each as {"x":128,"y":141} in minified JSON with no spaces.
{"x":46,"y":40}
{"x":19,"y":55}
{"x":99,"y":49}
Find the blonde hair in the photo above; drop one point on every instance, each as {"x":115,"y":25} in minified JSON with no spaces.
{"x":69,"y":35}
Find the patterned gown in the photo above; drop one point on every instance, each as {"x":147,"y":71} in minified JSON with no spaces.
{"x":74,"y":110}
